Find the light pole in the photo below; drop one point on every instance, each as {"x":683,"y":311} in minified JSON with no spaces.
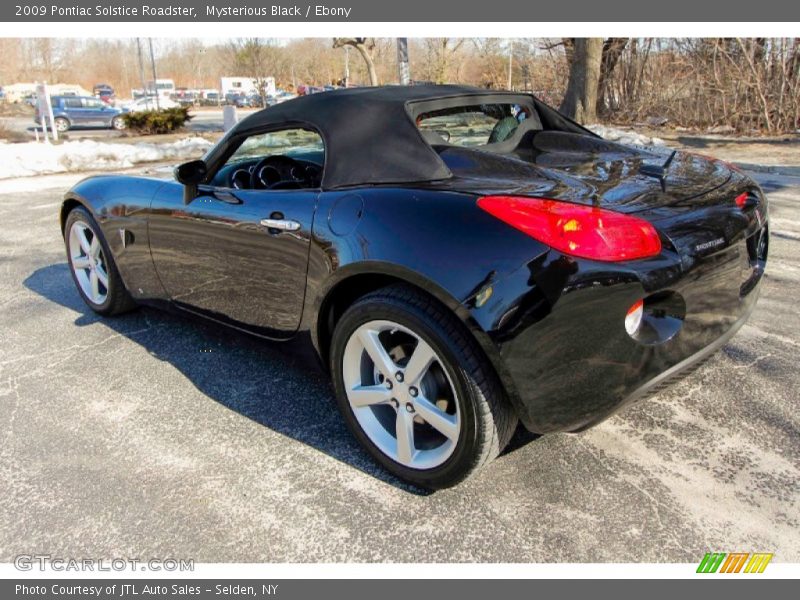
{"x":155,"y":77}
{"x":402,"y":61}
{"x":141,"y":66}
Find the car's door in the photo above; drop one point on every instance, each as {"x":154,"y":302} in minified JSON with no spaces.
{"x":237,"y":255}
{"x":95,"y":112}
{"x":73,"y":108}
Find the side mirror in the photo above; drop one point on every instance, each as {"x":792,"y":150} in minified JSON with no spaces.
{"x":191,"y":174}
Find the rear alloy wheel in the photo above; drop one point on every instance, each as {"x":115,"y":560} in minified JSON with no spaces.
{"x":62,"y":124}
{"x":400,"y":394}
{"x":415,"y":389}
{"x":92,"y":266}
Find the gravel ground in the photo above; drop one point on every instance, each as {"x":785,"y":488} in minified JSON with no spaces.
{"x":150,"y":435}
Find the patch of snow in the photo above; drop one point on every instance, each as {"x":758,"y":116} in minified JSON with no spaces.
{"x":624,"y":136}
{"x":33,"y":158}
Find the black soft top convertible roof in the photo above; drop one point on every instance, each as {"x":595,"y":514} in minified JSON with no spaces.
{"x":369,"y":135}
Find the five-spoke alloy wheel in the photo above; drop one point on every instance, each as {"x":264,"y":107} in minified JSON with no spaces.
{"x":401,"y":395}
{"x":88,"y":262}
{"x":92,"y":265}
{"x":415,"y":388}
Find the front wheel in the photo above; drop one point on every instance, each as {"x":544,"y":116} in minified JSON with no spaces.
{"x":118,"y":123}
{"x":61,"y":124}
{"x":92,"y":266}
{"x":416,"y":390}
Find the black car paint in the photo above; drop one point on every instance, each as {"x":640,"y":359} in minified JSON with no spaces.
{"x":552,"y":325}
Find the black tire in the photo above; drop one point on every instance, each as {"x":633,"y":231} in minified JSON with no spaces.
{"x":488,"y":419}
{"x":62,"y":125}
{"x":118,"y":123}
{"x":118,"y":300}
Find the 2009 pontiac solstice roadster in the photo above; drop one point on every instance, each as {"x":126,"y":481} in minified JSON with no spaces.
{"x":460,"y":259}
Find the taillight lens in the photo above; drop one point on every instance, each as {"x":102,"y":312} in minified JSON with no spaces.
{"x":577,"y":230}
{"x":741,"y":200}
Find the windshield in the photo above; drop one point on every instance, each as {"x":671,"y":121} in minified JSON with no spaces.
{"x":287,"y":142}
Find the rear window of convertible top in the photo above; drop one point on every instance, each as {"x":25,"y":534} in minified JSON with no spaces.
{"x":472,"y":125}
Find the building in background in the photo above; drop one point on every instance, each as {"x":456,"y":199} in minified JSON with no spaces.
{"x":247,"y":86}
{"x":164,"y":88}
{"x":17,"y":92}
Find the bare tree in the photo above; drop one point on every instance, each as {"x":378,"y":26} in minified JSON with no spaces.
{"x":726,"y":84}
{"x":257,"y":58}
{"x":364,"y":46}
{"x":580,"y":100}
{"x":439,"y":53}
{"x":612,"y":51}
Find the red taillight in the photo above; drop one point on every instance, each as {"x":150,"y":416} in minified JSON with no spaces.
{"x":578,"y":230}
{"x":741,"y":200}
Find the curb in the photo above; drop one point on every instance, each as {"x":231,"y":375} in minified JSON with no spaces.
{"x":789,"y":171}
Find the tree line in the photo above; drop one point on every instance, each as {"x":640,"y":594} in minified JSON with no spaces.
{"x":745,"y":84}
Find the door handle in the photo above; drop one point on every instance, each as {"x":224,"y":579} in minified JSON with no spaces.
{"x":281,"y":224}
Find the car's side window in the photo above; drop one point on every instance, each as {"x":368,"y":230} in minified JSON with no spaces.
{"x":72,"y":102}
{"x":474,"y":125}
{"x":275,"y":160}
{"x":91,"y":103}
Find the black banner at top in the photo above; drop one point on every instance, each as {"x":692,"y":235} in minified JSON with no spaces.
{"x":400,"y":11}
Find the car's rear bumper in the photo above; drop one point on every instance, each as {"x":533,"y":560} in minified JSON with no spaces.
{"x":688,"y":364}
{"x":564,"y":353}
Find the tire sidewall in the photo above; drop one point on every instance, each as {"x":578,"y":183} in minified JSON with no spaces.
{"x":83,"y":216}
{"x":463,"y":458}
{"x":58,"y":123}
{"x":118,"y":123}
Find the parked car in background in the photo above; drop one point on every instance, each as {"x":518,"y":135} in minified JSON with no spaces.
{"x":185,"y":96}
{"x":107,"y":97}
{"x":255,"y":101}
{"x":235,"y":99}
{"x":210,"y":98}
{"x":81,"y":111}
{"x":149,"y":103}
{"x":103,"y":91}
{"x":281,"y":96}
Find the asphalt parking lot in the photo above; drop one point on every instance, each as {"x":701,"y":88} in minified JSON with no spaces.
{"x":150,"y":435}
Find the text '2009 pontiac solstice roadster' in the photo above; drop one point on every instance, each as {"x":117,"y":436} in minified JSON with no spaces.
{"x":460,"y":259}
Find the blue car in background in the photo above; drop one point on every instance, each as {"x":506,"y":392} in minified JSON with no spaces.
{"x":82,"y":111}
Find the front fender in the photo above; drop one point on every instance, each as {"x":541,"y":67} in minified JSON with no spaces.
{"x":120,"y":205}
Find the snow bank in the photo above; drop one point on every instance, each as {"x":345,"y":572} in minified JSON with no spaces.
{"x":32,"y":158}
{"x":622,"y":136}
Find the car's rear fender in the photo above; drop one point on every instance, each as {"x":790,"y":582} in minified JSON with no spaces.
{"x":439,"y":242}
{"x":563,"y":336}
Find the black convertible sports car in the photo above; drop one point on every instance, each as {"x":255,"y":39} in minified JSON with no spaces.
{"x":460,"y":259}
